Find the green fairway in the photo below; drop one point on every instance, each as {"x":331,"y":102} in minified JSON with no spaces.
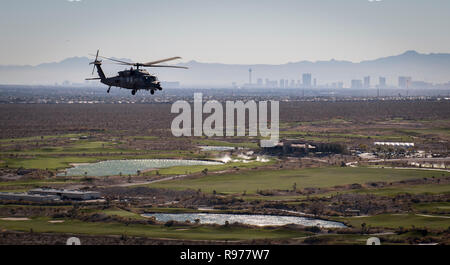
{"x":253,"y":180}
{"x":39,"y":138}
{"x":245,"y":144}
{"x":121,"y":213}
{"x":22,"y":186}
{"x":47,"y":162}
{"x":391,"y":191}
{"x":398,"y":220}
{"x":178,"y":170}
{"x":42,"y":225}
{"x":410,"y":189}
{"x":337,"y":239}
{"x":441,"y":208}
{"x":403,"y":189}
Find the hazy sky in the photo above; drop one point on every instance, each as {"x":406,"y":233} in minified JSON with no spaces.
{"x":228,"y":31}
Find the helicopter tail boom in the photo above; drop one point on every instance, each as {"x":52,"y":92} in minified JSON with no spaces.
{"x":97,"y":64}
{"x":100,"y":71}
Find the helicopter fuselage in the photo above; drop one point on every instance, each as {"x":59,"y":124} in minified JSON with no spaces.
{"x":133,"y":79}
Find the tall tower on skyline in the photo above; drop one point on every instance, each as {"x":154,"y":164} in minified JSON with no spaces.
{"x":404,"y":81}
{"x":250,"y":75}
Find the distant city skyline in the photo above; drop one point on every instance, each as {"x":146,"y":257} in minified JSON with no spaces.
{"x":423,"y":69}
{"x":232,"y":32}
{"x":402,"y":82}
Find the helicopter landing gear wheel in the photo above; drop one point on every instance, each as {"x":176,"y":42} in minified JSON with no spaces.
{"x":108,"y":89}
{"x":152,"y":91}
{"x":133,"y":92}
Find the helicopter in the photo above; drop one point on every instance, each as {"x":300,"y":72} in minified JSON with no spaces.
{"x":133,"y":78}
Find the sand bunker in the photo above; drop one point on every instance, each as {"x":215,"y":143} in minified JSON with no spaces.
{"x":56,"y":221}
{"x":15,"y":219}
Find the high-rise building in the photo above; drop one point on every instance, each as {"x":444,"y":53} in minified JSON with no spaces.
{"x":357,"y":84}
{"x":367,"y":82}
{"x":315,"y":82}
{"x":281,"y":83}
{"x":259,"y":82}
{"x":250,"y":76}
{"x":337,"y":85}
{"x":306,"y":80}
{"x":382,"y":82}
{"x":404,"y":81}
{"x":271,"y":84}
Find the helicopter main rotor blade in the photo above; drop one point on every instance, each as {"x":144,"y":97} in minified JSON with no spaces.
{"x":168,"y":66}
{"x":115,"y":60}
{"x":161,"y":61}
{"x":149,"y":64}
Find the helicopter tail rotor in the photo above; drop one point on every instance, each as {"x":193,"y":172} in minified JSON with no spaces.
{"x":95,"y":62}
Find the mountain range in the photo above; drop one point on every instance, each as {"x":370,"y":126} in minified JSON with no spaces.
{"x":434,"y":67}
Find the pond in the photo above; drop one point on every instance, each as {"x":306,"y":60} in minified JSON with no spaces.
{"x":251,"y":219}
{"x":129,"y":166}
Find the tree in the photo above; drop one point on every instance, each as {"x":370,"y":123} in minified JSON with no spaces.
{"x":363,"y":227}
{"x":169,"y":223}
